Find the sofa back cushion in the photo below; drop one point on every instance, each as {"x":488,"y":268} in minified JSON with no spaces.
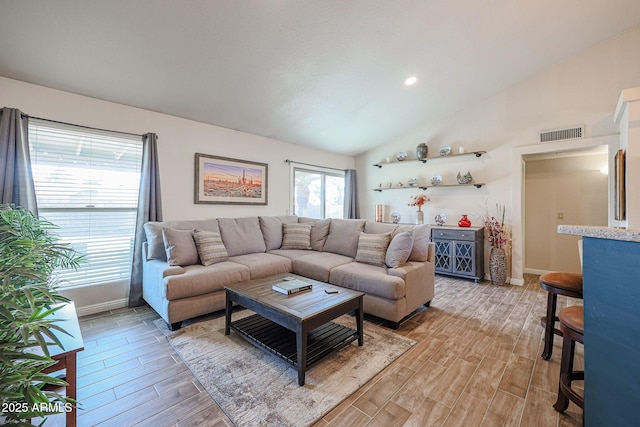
{"x":296,"y":236}
{"x":372,"y":227}
{"x":319,"y":231}
{"x":210,"y":248}
{"x":271,"y":227}
{"x":421,"y":238}
{"x":180,"y":247}
{"x":153,"y":232}
{"x":241,"y":235}
{"x":372,"y":248}
{"x":343,"y":236}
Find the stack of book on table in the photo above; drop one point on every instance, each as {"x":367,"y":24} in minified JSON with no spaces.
{"x":291,"y":286}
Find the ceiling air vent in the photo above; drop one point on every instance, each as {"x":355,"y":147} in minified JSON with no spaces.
{"x":561,"y":134}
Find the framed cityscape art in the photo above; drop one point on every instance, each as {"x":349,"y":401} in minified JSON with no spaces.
{"x":223,"y":180}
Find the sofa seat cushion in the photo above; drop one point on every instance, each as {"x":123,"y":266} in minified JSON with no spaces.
{"x":291,"y":253}
{"x":200,"y":280}
{"x":370,"y":279}
{"x":317,"y":265}
{"x":263,"y":265}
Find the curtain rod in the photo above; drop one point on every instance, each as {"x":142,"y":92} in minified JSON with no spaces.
{"x":81,"y":126}
{"x":314,"y":166}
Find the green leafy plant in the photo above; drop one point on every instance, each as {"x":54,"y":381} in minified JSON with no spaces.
{"x":29,"y":254}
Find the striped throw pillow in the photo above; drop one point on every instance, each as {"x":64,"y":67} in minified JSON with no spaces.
{"x":296,"y":236}
{"x":372,"y":248}
{"x":210,"y":247}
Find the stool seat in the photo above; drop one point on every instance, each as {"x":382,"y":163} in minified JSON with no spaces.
{"x":557,"y":283}
{"x":573,"y":318}
{"x":572,"y":324}
{"x":566,"y":281}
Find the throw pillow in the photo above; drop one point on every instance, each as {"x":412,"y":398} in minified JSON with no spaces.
{"x":319,"y":231}
{"x":155,"y":248}
{"x":179,"y":246}
{"x":372,"y":248}
{"x":399,"y":249}
{"x":296,"y":236}
{"x":210,"y":247}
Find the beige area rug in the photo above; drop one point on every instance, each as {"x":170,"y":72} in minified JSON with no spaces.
{"x":256,"y":388}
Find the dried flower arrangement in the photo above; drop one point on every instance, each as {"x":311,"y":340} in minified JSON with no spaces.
{"x":419,"y":200}
{"x":497,"y":231}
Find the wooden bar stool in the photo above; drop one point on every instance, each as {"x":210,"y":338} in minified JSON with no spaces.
{"x":568,"y":284}
{"x":572,"y":325}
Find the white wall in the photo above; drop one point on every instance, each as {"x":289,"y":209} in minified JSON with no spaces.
{"x":178,"y":141}
{"x":582,"y":90}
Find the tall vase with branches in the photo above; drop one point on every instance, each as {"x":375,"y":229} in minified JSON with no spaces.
{"x":29,"y":254}
{"x":498,"y":234}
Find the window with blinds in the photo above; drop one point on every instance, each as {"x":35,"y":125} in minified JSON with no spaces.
{"x":87,"y":183}
{"x":318,"y":194}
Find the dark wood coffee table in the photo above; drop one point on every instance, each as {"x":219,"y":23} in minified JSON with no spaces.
{"x":297,"y":327}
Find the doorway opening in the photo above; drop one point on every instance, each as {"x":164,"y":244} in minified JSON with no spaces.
{"x":519,"y":161}
{"x":569,"y":187}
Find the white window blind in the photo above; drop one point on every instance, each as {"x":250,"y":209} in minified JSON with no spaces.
{"x":87,"y":183}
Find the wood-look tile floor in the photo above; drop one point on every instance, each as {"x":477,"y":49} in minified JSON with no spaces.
{"x":476,"y":363}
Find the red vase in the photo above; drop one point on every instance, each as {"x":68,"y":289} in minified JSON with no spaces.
{"x":464,"y":222}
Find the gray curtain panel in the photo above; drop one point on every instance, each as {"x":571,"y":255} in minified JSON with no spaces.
{"x":16,"y":179}
{"x":149,"y":209}
{"x":351,"y":210}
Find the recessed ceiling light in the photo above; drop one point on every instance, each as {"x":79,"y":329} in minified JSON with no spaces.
{"x":411,"y":80}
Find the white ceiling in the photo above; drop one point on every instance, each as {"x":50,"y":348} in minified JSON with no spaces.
{"x":322,"y":73}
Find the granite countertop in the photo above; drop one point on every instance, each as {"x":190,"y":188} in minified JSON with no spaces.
{"x":599,"y":232}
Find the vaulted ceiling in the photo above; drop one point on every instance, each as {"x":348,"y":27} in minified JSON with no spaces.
{"x":323,"y":73}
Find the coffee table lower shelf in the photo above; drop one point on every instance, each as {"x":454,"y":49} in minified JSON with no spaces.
{"x":276,"y":339}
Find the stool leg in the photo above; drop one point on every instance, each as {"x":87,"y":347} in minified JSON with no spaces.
{"x":550,"y":325}
{"x":566,"y":369}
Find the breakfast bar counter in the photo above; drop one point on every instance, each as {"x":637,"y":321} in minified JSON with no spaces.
{"x":611,"y":280}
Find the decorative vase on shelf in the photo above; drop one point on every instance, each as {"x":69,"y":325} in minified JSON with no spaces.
{"x":419,"y":216}
{"x":422,"y":150}
{"x":464,"y":222}
{"x":498,"y":266}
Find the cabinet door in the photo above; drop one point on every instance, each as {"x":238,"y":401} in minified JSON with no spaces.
{"x":444,"y":256}
{"x":464,"y":260}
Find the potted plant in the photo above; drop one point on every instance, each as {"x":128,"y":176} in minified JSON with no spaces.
{"x":29,"y":254}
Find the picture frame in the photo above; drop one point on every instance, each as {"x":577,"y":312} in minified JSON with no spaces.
{"x":619,"y":186}
{"x":228,"y":181}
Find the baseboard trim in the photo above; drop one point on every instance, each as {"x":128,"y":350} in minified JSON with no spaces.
{"x":102,"y":307}
{"x":536,"y":271}
{"x":510,"y":280}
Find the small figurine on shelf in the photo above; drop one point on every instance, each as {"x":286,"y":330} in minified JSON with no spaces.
{"x":464,"y":179}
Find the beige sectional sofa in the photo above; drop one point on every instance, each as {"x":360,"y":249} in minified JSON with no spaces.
{"x":345,"y":253}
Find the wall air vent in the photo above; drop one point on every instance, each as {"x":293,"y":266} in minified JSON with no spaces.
{"x":561,"y":134}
